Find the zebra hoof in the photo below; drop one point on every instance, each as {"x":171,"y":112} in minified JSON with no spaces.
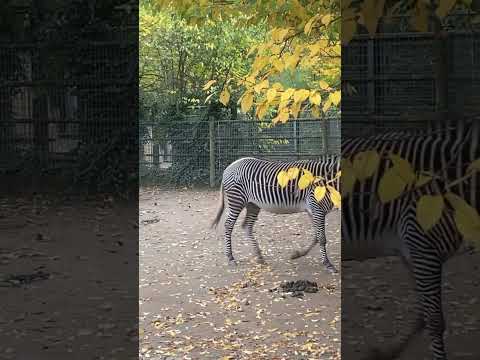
{"x":232,"y":263}
{"x":261,"y":261}
{"x":296,"y":254}
{"x":331,"y":269}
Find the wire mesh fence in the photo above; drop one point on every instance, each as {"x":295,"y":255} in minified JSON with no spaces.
{"x":401,"y":79}
{"x":197,"y":152}
{"x":61,"y":107}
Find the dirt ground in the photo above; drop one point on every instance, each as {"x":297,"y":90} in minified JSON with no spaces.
{"x":194,"y":306}
{"x":60,"y":287}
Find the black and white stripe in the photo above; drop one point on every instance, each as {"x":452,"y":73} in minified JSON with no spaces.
{"x":371,"y":230}
{"x":252,"y":183}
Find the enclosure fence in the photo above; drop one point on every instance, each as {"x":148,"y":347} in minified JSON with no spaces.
{"x":197,"y":152}
{"x":53,"y":112}
{"x":403,"y":79}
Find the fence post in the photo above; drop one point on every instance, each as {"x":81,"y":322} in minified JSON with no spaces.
{"x":325,"y":134}
{"x":156,"y":155}
{"x":295,"y":139}
{"x":211,"y":135}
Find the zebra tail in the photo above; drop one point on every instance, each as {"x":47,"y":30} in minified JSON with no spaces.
{"x":221,"y":207}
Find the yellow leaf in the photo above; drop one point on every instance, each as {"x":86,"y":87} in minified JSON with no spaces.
{"x":277,"y":86}
{"x":293,"y":173}
{"x":326,"y":19}
{"x":271,"y":94}
{"x":391,"y":186}
{"x":260,"y":86}
{"x":466,"y":217}
{"x":444,"y":8}
{"x":225,"y":97}
{"x":315,"y":98}
{"x":334,"y":196}
{"x":422,"y":180}
{"x":429,"y":210}
{"x":281,"y":117}
{"x":305,"y":181}
{"x":262,"y":110}
{"x":323,"y":85}
{"x":348,"y":179}
{"x":371,"y":11}
{"x":474,"y":166}
{"x":326,"y":105}
{"x":421,"y":17}
{"x":292,"y":61}
{"x":287,"y":94}
{"x":247,"y":101}
{"x":335,"y":97}
{"x":283,"y":178}
{"x":309,"y":25}
{"x":316,"y":111}
{"x":365,"y":164}
{"x":403,"y":168}
{"x":278,"y":64}
{"x":300,"y":95}
{"x":295,"y":109}
{"x":320,"y":192}
{"x":349,"y":28}
{"x":209,"y":84}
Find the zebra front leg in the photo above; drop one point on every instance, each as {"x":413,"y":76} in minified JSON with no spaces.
{"x":322,"y":240}
{"x":250,"y":218}
{"x":430,"y":291}
{"x":406,"y":336}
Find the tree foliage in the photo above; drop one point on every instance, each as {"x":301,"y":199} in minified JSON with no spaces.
{"x":301,"y":37}
{"x":176,"y":59}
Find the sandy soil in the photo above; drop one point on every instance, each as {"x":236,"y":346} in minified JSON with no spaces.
{"x":193,"y":306}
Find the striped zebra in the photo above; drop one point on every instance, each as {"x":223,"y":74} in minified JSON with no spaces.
{"x":252,"y":184}
{"x":371,"y":230}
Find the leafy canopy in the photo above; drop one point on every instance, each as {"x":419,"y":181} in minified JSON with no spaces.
{"x":301,"y":37}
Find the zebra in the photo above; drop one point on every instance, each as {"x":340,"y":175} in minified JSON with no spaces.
{"x":371,"y":230}
{"x":251,"y":183}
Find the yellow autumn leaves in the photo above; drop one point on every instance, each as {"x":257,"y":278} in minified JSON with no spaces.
{"x":301,"y":43}
{"x":370,"y":12}
{"x":322,"y":186}
{"x":399,"y":177}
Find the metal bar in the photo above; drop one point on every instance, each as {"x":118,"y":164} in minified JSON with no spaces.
{"x":211,"y":131}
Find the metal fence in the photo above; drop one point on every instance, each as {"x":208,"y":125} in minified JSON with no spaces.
{"x":188,"y":152}
{"x":405,"y":79}
{"x":57,"y":102}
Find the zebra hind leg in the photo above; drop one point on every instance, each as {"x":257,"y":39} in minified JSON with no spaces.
{"x":250,"y":217}
{"x":231,"y":219}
